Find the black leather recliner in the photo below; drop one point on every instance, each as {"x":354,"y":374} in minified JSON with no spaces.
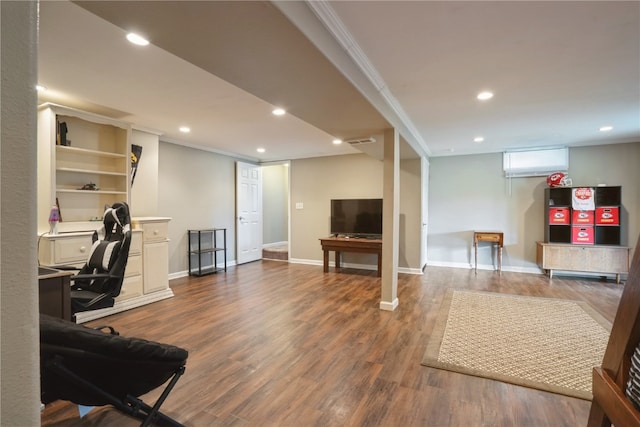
{"x":95,"y":368}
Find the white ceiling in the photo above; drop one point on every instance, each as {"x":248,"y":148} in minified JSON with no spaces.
{"x":559,"y":71}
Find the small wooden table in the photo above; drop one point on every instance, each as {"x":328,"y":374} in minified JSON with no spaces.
{"x":496,"y":237}
{"x":350,"y":244}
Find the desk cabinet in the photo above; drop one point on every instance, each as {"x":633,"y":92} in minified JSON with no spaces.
{"x":54,"y":293}
{"x":65,"y":249}
{"x":155,"y":252}
{"x":132,"y":285}
{"x":147,"y":273}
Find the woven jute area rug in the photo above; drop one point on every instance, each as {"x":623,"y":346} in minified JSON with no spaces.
{"x":543,"y":343}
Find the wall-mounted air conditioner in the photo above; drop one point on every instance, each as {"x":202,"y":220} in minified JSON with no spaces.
{"x":540,"y":162}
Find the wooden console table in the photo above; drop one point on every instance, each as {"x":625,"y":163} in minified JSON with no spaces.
{"x":588,"y":258}
{"x":496,"y":237}
{"x":350,"y":244}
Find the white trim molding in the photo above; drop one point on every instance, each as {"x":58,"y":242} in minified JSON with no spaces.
{"x":389,"y":306}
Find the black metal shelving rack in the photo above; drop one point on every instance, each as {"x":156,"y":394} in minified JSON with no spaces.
{"x":203,"y":251}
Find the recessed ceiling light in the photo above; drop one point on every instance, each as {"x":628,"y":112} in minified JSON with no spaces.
{"x":337,"y":141}
{"x":279,"y":112}
{"x":137,"y":39}
{"x":185,"y":129}
{"x":606,"y":128}
{"x":41,"y":88}
{"x":260,"y":150}
{"x":478,"y":139}
{"x":483,"y":96}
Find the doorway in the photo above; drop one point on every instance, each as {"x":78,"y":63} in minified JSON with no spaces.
{"x":275,"y":190}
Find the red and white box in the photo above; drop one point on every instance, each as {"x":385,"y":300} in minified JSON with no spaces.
{"x":582,"y":217}
{"x":582,"y":235}
{"x":607,"y":215}
{"x":559,"y":216}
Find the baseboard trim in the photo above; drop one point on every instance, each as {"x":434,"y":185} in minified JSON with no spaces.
{"x":489,"y":267}
{"x":270,"y":245}
{"x":125,"y":305}
{"x":403,"y":270}
{"x":185,"y":273}
{"x":389,"y":306}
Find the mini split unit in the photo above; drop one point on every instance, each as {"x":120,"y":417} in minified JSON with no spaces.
{"x":360,"y":141}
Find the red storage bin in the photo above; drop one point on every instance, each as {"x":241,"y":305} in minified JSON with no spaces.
{"x":582,"y":217}
{"x":559,"y":216}
{"x":582,"y":235}
{"x":607,"y":215}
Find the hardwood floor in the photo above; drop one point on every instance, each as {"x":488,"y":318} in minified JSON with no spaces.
{"x":277,"y":344}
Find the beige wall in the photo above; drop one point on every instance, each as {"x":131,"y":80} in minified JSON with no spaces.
{"x":197,"y":191}
{"x":19,"y":368}
{"x":410,"y":214}
{"x":612,"y":165}
{"x":466,"y":193}
{"x":144,"y":191}
{"x":314,"y":182}
{"x":469,"y":193}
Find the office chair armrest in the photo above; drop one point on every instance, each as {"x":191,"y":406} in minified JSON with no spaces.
{"x":85,"y":280}
{"x":90,"y":276}
{"x":67,"y":267}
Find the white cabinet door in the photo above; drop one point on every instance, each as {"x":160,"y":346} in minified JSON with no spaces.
{"x":156,"y":266}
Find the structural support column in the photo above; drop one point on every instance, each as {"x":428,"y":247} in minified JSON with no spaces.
{"x":19,"y":333}
{"x":390,"y":220}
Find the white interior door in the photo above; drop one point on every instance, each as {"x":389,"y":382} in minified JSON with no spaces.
{"x":248,"y":212}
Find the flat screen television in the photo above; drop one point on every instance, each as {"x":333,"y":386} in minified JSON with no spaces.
{"x":356,"y":217}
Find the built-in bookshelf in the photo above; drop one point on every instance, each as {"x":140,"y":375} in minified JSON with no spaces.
{"x":83,"y":165}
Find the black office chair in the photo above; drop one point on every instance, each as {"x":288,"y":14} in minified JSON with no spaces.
{"x":90,"y":367}
{"x":99,"y":281}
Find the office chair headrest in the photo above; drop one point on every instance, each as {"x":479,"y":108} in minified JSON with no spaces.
{"x":116,"y":221}
{"x":118,"y":213}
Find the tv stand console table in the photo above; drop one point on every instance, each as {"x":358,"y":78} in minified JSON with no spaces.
{"x":350,"y":244}
{"x":589,"y":258}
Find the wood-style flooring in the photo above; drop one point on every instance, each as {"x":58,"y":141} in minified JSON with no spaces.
{"x":278,"y":344}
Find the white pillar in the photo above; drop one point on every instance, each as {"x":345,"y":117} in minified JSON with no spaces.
{"x":20,"y":369}
{"x":390,"y":220}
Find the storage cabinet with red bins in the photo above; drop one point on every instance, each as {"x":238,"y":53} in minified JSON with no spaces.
{"x":601,"y":226}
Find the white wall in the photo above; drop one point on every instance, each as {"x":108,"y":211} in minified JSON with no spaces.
{"x":19,"y":370}
{"x":468,"y":193}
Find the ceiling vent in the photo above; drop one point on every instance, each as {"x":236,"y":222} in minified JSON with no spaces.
{"x":360,"y":141}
